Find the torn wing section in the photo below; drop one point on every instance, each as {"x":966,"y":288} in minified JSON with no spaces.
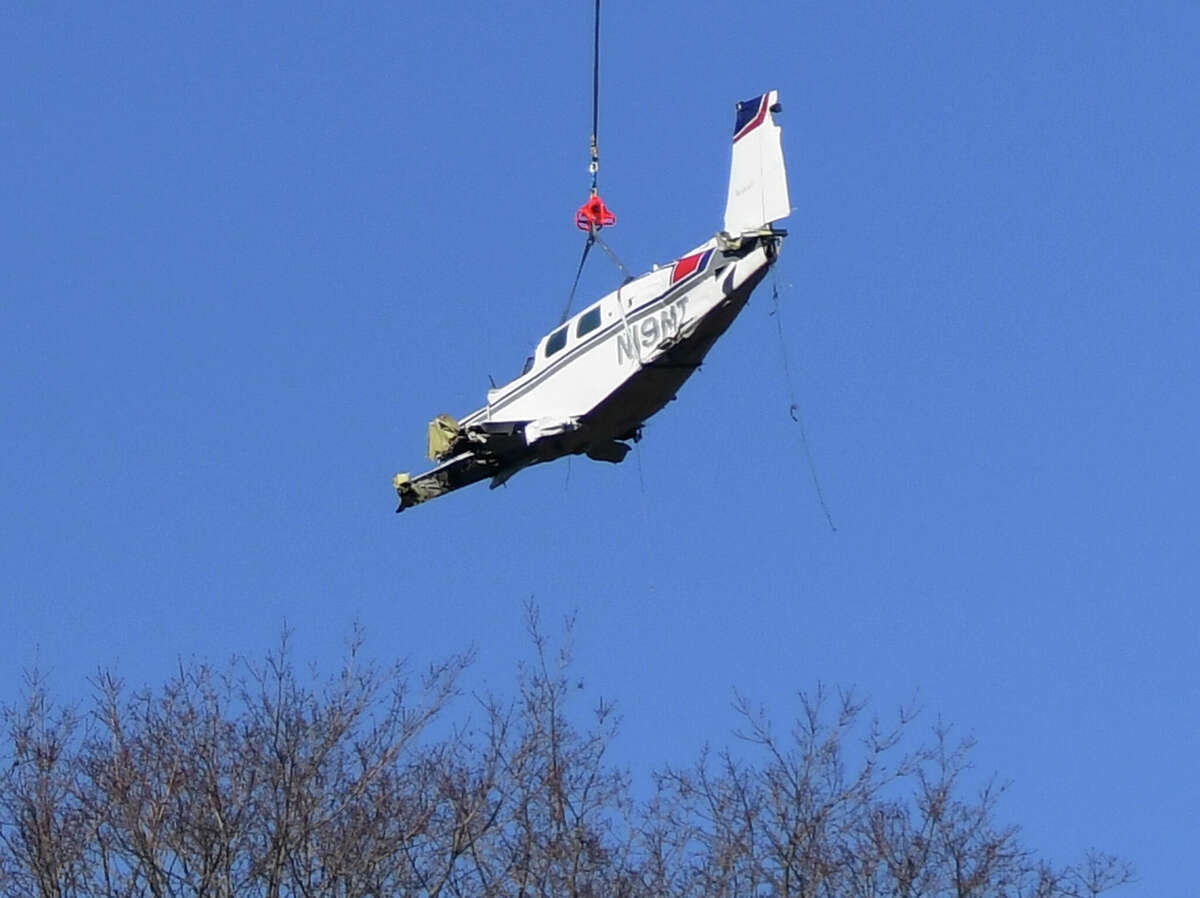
{"x":459,"y":471}
{"x":758,"y":191}
{"x":468,"y":453}
{"x":465,"y":455}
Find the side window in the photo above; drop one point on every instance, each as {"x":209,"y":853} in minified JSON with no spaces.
{"x":588,"y":322}
{"x":556,"y":341}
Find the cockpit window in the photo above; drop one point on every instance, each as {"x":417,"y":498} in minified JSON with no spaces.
{"x":528,"y":365}
{"x":588,"y":322}
{"x":556,"y":341}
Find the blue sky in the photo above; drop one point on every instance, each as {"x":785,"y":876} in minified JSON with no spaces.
{"x":250,"y":251}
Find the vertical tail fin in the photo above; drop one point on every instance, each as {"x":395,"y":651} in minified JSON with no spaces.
{"x":758,"y":192}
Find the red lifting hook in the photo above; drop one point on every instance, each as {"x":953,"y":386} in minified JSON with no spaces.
{"x":594,"y":214}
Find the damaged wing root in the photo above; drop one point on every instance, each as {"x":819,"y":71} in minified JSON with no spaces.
{"x":441,"y":437}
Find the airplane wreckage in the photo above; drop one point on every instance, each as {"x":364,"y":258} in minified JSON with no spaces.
{"x":593,"y":381}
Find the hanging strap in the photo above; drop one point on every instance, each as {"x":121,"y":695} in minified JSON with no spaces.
{"x":604,"y":246}
{"x":566,"y":312}
{"x":593,"y":237}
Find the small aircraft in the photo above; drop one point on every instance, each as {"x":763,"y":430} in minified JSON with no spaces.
{"x":593,"y":381}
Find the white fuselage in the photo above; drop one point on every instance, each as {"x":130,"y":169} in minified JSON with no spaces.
{"x":596,"y":379}
{"x":586,"y":361}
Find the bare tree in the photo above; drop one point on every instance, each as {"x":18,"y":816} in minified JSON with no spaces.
{"x":254,"y":781}
{"x":44,"y":832}
{"x":840,"y":806}
{"x":263,"y":779}
{"x":565,"y":823}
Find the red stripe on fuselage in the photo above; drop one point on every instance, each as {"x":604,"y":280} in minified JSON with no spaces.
{"x":685,"y":266}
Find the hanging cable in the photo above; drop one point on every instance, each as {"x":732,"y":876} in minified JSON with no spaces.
{"x":593,"y":214}
{"x":595,"y":164}
{"x":794,"y":405}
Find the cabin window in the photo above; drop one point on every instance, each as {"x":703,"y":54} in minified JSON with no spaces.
{"x":588,"y":323}
{"x":556,"y":341}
